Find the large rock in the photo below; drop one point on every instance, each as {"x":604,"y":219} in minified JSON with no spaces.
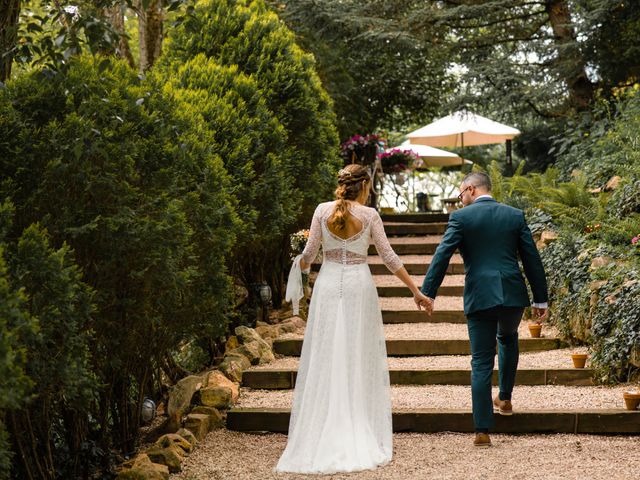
{"x":216,"y":420}
{"x":201,"y":423}
{"x":267,"y":332}
{"x":286,"y":327}
{"x":246,"y":334}
{"x":218,"y":397}
{"x":250,"y":350}
{"x":188,"y":436}
{"x":180,"y":398}
{"x":144,"y":469}
{"x":171,"y":456}
{"x":249,"y":335}
{"x":233,"y":365}
{"x":174,"y":439}
{"x":217,"y":379}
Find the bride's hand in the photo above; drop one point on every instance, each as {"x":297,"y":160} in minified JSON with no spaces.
{"x":423,"y":302}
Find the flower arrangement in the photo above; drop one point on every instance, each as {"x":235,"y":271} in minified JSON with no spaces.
{"x":361,"y":149}
{"x":298,"y":241}
{"x":397,"y":160}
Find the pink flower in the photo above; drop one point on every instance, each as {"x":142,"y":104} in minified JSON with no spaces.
{"x":635,"y":240}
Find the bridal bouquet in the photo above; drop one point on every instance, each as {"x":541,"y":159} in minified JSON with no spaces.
{"x":298,"y":241}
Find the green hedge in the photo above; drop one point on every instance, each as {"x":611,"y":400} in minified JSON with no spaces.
{"x":285,"y":163}
{"x":115,"y":168}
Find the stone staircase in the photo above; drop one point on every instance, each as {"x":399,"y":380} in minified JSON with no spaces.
{"x":429,"y":361}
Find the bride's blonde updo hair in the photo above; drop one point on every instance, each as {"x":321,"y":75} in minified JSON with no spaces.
{"x":351,"y":181}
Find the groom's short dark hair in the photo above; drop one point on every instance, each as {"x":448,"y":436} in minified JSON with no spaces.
{"x":478,"y":179}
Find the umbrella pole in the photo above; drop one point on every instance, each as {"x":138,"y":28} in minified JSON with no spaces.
{"x":462,"y":153}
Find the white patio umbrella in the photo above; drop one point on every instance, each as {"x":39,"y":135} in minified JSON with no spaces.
{"x":462,"y":129}
{"x":433,"y":157}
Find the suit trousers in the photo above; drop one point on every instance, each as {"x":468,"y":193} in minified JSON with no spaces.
{"x":485,"y":326}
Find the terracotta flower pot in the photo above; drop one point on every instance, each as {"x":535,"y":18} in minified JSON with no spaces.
{"x":535,"y":329}
{"x":631,"y":400}
{"x":579,"y":359}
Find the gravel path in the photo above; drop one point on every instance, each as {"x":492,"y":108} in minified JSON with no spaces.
{"x":456,"y":258}
{"x":546,"y":397}
{"x":393,"y":281}
{"x":435,"y":331}
{"x":417,"y":240}
{"x":406,"y":303}
{"x":228,"y":455}
{"x":560,"y":358}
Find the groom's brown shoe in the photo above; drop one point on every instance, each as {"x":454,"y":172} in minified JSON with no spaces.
{"x":482,"y":440}
{"x":503,"y":407}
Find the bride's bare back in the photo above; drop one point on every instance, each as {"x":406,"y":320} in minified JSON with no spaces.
{"x":352,"y":227}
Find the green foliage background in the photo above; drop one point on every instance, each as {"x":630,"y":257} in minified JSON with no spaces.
{"x":132,"y":206}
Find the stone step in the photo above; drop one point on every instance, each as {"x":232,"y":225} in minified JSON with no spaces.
{"x":415,"y":217}
{"x":423,"y":244}
{"x":408,"y":347}
{"x":425,"y":420}
{"x":270,"y":379}
{"x":415,"y":265}
{"x":405,"y":228}
{"x":392,"y":286}
{"x":403,"y":310}
{"x":559,"y":359}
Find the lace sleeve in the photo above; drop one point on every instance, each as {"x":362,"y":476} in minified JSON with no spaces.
{"x":388,"y":256}
{"x":315,"y":237}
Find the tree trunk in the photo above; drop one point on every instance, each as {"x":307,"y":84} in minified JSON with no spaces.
{"x":581,"y":89}
{"x":150,"y":28}
{"x":9,"y":14}
{"x":116,"y":17}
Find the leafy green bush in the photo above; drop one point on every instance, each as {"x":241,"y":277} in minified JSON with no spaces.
{"x":51,"y":385}
{"x":119,"y":171}
{"x":246,"y":34}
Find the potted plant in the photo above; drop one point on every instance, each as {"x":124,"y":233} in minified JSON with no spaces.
{"x":579,"y":359}
{"x":535,"y":329}
{"x":631,"y":399}
{"x":397,"y":160}
{"x":361,"y":149}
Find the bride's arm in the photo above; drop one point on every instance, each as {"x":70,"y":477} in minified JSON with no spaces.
{"x":392,"y":261}
{"x":313,"y":242}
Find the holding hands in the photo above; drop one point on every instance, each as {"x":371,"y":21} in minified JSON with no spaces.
{"x":423,"y":302}
{"x":539,"y":314}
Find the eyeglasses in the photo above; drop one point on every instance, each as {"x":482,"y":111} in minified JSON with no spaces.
{"x":462,"y":192}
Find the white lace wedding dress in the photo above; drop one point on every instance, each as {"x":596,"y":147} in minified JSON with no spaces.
{"x":341,"y":415}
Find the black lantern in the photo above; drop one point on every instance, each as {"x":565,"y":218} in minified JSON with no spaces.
{"x":262,"y":298}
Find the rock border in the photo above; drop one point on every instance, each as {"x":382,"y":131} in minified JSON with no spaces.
{"x":217,"y":391}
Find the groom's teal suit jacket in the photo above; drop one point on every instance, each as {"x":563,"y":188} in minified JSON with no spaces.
{"x":490,"y":237}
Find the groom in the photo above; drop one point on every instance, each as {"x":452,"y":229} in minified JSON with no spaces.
{"x":490,"y":237}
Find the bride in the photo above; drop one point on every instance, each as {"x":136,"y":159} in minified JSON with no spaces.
{"x":341,"y":415}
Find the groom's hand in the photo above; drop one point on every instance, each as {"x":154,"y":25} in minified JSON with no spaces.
{"x":424,"y":302}
{"x":540,"y":314}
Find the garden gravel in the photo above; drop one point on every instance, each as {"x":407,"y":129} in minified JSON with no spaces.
{"x":226,"y":455}
{"x":560,"y":358}
{"x":542,"y":397}
{"x":435,"y":331}
{"x":424,"y":259}
{"x":393,"y":281}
